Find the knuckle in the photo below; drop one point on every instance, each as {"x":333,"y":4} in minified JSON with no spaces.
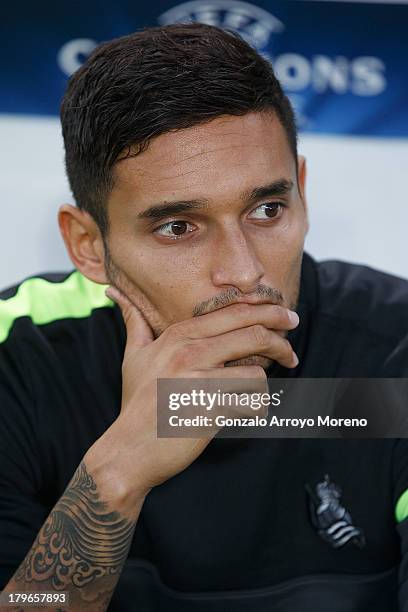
{"x":242,"y":309}
{"x":257,"y":371}
{"x":281,"y":313}
{"x":260,"y":335}
{"x":286,"y":349}
{"x":173,"y":332}
{"x":197,"y":374}
{"x":184,"y":329}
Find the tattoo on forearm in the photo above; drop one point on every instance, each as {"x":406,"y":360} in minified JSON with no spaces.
{"x":80,"y":541}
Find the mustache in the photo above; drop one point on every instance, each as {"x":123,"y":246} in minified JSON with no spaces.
{"x":232,"y":295}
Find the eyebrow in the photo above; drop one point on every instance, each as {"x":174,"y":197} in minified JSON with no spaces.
{"x":276,"y":188}
{"x":279,"y":187}
{"x":160,"y":211}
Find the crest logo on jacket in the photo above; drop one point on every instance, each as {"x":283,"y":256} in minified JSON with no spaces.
{"x":331,"y":520}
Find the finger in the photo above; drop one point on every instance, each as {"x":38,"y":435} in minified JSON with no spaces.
{"x":236,"y":316}
{"x":240,"y":343}
{"x":240,"y":379}
{"x":243,"y":377}
{"x":139,"y":332}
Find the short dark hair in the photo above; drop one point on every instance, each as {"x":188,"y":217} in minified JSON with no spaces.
{"x":160,"y":79}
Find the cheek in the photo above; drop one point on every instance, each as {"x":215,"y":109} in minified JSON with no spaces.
{"x":281,"y":247}
{"x":166,"y":283}
{"x":162,"y":285}
{"x":293,"y":231}
{"x":281,"y":252}
{"x":291,"y":252}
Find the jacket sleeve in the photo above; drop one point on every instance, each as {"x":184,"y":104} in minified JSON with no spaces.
{"x":22,"y":506}
{"x":396,"y":366}
{"x":400,"y":496}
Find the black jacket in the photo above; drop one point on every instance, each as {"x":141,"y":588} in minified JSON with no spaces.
{"x":233,"y":532}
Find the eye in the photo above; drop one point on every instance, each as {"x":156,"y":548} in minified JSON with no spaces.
{"x":174,"y":229}
{"x":268,"y":210}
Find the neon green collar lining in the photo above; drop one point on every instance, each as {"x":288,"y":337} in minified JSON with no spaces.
{"x":44,"y":301}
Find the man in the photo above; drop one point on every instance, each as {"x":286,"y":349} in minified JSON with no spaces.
{"x":181,"y":154}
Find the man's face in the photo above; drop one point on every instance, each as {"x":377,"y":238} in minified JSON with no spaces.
{"x":208,"y":216}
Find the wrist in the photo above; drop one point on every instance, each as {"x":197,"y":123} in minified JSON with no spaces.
{"x":113,"y":471}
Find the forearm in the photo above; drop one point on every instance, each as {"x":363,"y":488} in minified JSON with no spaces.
{"x":84,"y":543}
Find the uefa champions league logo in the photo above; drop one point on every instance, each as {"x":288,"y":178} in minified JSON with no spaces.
{"x":253,"y":23}
{"x":301,"y":74}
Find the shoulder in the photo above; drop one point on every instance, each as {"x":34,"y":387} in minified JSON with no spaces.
{"x":358,"y":320}
{"x":374,"y":301}
{"x":48,"y":298}
{"x":60,"y":347}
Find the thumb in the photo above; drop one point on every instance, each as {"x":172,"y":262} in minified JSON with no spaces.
{"x":139,"y":332}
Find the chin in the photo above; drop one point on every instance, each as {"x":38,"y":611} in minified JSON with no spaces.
{"x":257,"y":360}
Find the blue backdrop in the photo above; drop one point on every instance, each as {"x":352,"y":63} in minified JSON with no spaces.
{"x":343,"y":64}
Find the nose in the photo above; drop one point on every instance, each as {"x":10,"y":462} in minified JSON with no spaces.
{"x":235,"y":261}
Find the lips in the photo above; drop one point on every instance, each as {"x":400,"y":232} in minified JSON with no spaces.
{"x":246,"y":300}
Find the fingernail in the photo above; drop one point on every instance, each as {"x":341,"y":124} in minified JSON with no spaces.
{"x":293,"y":317}
{"x":295,"y":360}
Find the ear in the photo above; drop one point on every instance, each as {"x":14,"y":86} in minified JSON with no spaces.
{"x":83,"y":241}
{"x":302,"y":186}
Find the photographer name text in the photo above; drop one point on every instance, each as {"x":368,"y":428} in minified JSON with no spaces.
{"x":256,"y":421}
